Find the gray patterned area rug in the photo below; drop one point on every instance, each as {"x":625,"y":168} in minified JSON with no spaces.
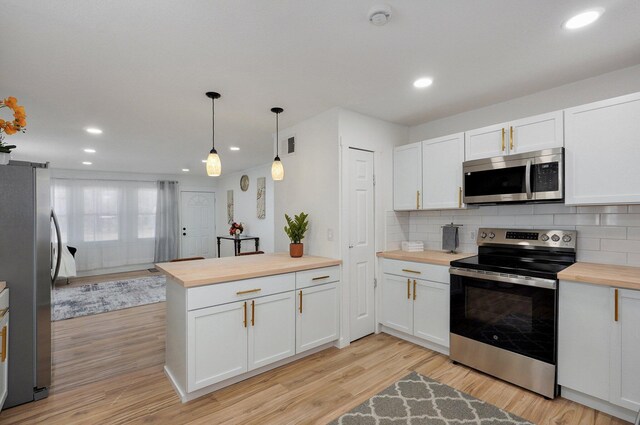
{"x":418,"y":400}
{"x":102,"y":297}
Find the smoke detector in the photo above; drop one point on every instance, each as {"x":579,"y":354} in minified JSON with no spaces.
{"x":379,"y":14}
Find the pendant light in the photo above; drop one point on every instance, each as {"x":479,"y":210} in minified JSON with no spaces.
{"x":214,"y":166}
{"x":277,"y":170}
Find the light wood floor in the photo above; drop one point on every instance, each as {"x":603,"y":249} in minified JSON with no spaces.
{"x":108,"y":370}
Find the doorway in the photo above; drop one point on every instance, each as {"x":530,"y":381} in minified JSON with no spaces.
{"x":197,"y":224}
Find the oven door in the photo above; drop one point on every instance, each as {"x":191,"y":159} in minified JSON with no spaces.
{"x":517,"y":314}
{"x":533,"y":176}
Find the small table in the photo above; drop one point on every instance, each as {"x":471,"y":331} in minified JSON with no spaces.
{"x":237,"y":241}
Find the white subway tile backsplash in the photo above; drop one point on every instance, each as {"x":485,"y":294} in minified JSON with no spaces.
{"x":576,"y":219}
{"x":608,"y":232}
{"x":589,"y":244}
{"x":604,"y":209}
{"x":633,"y":233}
{"x":515,"y":209}
{"x":535,"y":220}
{"x":634,"y":209}
{"x":499,"y":220}
{"x":553,"y":209}
{"x":619,"y":258}
{"x":633,"y":259}
{"x":620,"y":245}
{"x":620,"y":219}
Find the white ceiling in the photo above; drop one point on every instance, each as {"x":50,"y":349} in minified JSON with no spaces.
{"x":138,"y":69}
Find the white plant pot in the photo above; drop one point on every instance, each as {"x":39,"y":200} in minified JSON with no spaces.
{"x":4,"y":158}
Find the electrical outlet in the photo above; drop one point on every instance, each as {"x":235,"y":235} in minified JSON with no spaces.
{"x":472,"y":235}
{"x":329,"y":234}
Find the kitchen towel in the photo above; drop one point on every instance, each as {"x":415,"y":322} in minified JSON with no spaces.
{"x":450,"y":239}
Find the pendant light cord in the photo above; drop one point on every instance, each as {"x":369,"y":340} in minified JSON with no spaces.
{"x":213,"y":124}
{"x":277,"y":138}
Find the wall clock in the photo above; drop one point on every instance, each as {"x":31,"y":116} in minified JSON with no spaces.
{"x":244,"y":183}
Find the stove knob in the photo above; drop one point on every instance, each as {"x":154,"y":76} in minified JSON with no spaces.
{"x":566,"y":238}
{"x":544,"y":238}
{"x":555,"y":238}
{"x":492,"y":235}
{"x":483,"y":235}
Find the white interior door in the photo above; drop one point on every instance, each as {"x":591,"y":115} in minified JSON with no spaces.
{"x":361,"y":244}
{"x":197,"y":224}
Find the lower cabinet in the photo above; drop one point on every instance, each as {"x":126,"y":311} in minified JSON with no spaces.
{"x":231,"y":339}
{"x":416,"y":307}
{"x":599,"y":342}
{"x":316,"y":316}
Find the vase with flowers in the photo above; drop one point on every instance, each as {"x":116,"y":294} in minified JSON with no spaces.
{"x":9,"y":128}
{"x":236,"y":229}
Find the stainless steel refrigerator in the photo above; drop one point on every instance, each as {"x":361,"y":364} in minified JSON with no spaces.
{"x":26,"y":264}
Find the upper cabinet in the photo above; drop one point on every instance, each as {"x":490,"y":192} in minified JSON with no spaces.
{"x":442,"y":172}
{"x":407,"y":177}
{"x":602,"y":155}
{"x":520,"y":136}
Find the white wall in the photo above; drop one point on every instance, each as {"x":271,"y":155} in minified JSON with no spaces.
{"x":311,"y":184}
{"x":604,"y":86}
{"x":245,"y":204}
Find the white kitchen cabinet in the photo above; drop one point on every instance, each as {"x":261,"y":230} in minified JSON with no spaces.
{"x":599,"y":346}
{"x":601,"y":152}
{"x":407,"y":177}
{"x":529,"y":134}
{"x":431,"y":311}
{"x":272,"y":329}
{"x":442,"y":160}
{"x":625,"y":354}
{"x":317,"y":316}
{"x":396,"y":303}
{"x":4,"y":347}
{"x":217,"y":344}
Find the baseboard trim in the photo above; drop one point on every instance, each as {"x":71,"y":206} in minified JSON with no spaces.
{"x":598,"y":404}
{"x":415,"y":340}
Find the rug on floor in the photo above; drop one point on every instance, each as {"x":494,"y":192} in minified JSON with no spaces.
{"x":102,"y":297}
{"x":418,"y":400}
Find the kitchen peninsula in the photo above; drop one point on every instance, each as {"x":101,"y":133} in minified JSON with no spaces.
{"x":235,"y":317}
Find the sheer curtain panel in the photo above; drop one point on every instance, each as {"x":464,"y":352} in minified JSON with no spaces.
{"x":167,"y":221}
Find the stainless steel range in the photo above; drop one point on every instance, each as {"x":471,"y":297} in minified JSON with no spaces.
{"x":504,"y":305}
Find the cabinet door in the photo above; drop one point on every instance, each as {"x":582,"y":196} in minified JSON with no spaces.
{"x":272,"y":329}
{"x":4,"y":358}
{"x":442,"y":172}
{"x":601,"y":152}
{"x":431,"y":312}
{"x":625,"y":350}
{"x":536,"y":133}
{"x":316,"y":316}
{"x":407,"y":177}
{"x":396,"y":304}
{"x":217,"y":344}
{"x":486,"y":142}
{"x":584,"y":327}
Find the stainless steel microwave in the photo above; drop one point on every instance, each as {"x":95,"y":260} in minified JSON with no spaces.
{"x":527,"y":177}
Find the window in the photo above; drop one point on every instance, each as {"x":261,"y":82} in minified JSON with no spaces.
{"x":147,"y":201}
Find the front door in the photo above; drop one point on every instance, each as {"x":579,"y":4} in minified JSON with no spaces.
{"x":197,"y":224}
{"x":361,"y":244}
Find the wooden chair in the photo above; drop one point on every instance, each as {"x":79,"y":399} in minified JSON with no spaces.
{"x":175,"y":260}
{"x":250,"y":253}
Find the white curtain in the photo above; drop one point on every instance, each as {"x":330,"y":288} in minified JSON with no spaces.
{"x":167,"y":224}
{"x":110,"y":222}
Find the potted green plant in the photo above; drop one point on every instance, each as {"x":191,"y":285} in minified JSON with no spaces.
{"x":295,"y":229}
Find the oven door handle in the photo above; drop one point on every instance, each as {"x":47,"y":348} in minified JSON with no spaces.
{"x":527,"y":178}
{"x":515,"y":279}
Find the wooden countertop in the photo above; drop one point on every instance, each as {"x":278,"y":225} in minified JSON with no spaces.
{"x":603,"y":274}
{"x":227,"y":269}
{"x":441,"y":258}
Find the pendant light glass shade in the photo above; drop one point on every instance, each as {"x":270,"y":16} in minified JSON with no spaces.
{"x":214,"y":166}
{"x":277,"y":170}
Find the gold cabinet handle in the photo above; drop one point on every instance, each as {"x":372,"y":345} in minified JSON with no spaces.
{"x":250,"y":291}
{"x":300,"y":307}
{"x":321,"y":277}
{"x":4,"y":343}
{"x":460,"y":197}
{"x":511,"y":137}
{"x":503,"y":140}
{"x":3,"y":312}
{"x":408,"y":289}
{"x":244,"y":322}
{"x":414,"y":289}
{"x":253,"y":313}
{"x":417,"y":199}
{"x":616,"y":306}
{"x":411,"y":271}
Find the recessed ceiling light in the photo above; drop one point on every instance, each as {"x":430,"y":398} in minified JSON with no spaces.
{"x":583,"y":19}
{"x":87,"y":162}
{"x":421,"y":83}
{"x":88,"y":150}
{"x":234,"y":148}
{"x":186,"y":170}
{"x":93,"y":130}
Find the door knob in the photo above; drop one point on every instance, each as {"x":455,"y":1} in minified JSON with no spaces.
{"x":184,"y":228}
{"x":184,"y":234}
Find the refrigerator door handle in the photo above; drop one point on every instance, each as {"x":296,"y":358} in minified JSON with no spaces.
{"x":59,"y":238}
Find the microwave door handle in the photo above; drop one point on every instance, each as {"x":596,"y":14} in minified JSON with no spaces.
{"x":527,"y":178}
